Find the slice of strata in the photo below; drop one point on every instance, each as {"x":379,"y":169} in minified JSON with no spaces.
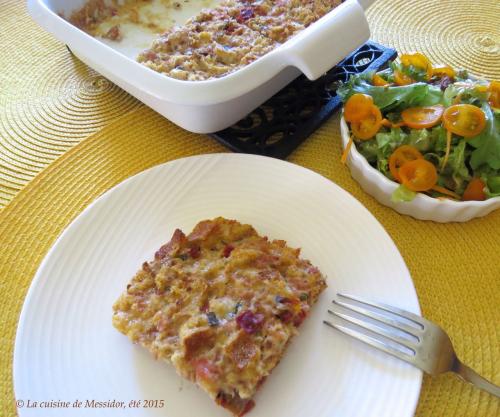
{"x":220,"y":304}
{"x":210,"y":45}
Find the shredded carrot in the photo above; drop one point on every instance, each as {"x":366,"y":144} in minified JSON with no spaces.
{"x":388,"y":123}
{"x":448,"y":147}
{"x":347,"y":149}
{"x":445,"y":191}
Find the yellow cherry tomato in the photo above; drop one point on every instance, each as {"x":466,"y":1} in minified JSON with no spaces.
{"x":444,"y":70}
{"x":402,"y":79}
{"x":400,"y":156}
{"x":378,"y":81}
{"x":494,"y":90}
{"x":464,"y":120}
{"x":358,"y":107}
{"x":418,"y":175}
{"x":369,"y":126}
{"x":422,"y":117}
{"x":417,"y":60}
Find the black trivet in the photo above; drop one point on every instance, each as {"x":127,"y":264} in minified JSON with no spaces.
{"x":288,"y":118}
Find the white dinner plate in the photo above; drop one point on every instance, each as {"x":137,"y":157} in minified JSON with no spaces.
{"x":68,"y":351}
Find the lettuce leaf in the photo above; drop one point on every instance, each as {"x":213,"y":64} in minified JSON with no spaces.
{"x":438,"y":137}
{"x":491,"y":177}
{"x":493,"y":186}
{"x":392,"y":98}
{"x":420,"y":139}
{"x":369,"y":149}
{"x":391,"y":139}
{"x":402,"y":194}
{"x":417,"y":74}
{"x":487,"y":143}
{"x":456,"y":174}
{"x":468,"y":91}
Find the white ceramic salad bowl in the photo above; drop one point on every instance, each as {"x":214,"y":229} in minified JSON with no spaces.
{"x":422,"y":207}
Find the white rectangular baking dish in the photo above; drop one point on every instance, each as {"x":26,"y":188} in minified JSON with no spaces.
{"x":212,"y":105}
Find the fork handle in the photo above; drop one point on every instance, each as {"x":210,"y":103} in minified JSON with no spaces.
{"x":471,"y":376}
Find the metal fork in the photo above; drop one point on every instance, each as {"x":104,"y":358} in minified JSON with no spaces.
{"x":404,"y":335}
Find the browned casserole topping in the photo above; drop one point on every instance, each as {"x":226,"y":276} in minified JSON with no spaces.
{"x":209,"y":45}
{"x":220,"y":304}
{"x":216,"y":41}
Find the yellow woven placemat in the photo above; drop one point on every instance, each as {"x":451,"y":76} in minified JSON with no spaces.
{"x":460,"y":33}
{"x":455,"y":267}
{"x":49,"y":101}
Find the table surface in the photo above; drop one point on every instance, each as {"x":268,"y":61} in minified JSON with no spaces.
{"x":67,"y":135}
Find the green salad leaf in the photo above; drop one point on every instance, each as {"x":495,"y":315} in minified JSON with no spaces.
{"x":369,"y":149}
{"x":439,"y":139}
{"x":420,"y":139}
{"x":491,"y":177}
{"x":415,"y":73}
{"x":402,"y":194}
{"x":456,"y":160}
{"x":392,"y":98}
{"x":468,"y":92}
{"x":456,"y":174}
{"x":493,"y":186}
{"x":390,"y":140}
{"x":487,"y":143}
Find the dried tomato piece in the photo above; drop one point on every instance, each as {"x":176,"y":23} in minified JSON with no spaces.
{"x":227,"y":251}
{"x":230,"y":28}
{"x":245,"y":14}
{"x":299,"y":318}
{"x":286,"y":316}
{"x":194,"y":252}
{"x":114,"y":33}
{"x":250,"y":322}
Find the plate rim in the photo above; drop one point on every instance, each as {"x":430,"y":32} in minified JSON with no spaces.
{"x":102,"y":197}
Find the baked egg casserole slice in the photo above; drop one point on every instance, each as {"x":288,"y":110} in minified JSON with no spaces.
{"x":220,"y":305}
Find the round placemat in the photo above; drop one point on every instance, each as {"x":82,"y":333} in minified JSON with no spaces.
{"x":49,"y":100}
{"x":459,"y":33}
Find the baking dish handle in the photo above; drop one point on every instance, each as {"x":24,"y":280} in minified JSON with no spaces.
{"x":329,"y":40}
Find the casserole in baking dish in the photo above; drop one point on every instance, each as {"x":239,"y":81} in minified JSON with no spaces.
{"x":213,"y":104}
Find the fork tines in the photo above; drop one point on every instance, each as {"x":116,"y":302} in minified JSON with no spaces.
{"x":397,"y":333}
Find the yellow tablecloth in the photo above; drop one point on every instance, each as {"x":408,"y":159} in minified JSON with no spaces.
{"x":67,"y":135}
